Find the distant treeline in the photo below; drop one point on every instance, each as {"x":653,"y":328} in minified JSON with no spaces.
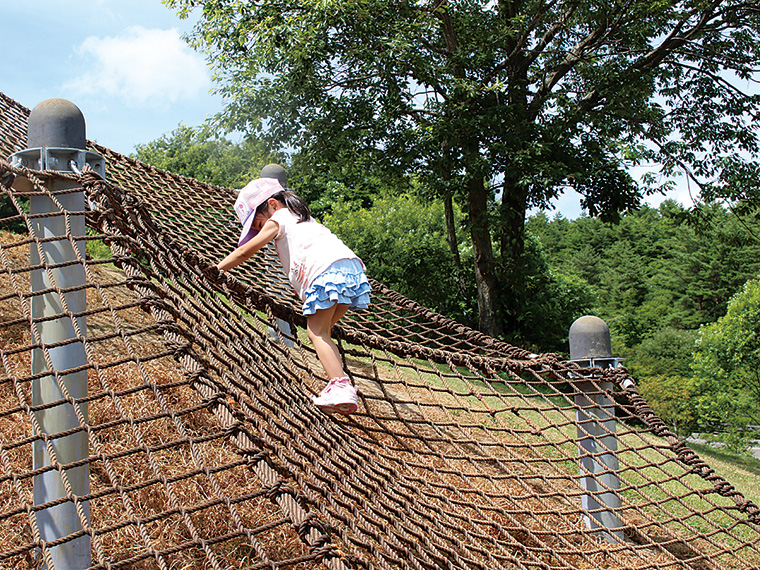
{"x":680,"y":292}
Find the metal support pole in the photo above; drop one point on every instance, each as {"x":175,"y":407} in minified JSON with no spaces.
{"x":56,"y":141}
{"x":278,"y":172}
{"x":590,"y":345}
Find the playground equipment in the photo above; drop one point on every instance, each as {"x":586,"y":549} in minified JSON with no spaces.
{"x":204,"y":449}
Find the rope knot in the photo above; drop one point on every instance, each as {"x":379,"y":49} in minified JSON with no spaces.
{"x":214,"y":400}
{"x":233,"y":429}
{"x":312,"y":522}
{"x":260,"y":455}
{"x":326,"y":551}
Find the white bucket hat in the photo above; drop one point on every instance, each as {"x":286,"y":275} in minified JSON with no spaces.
{"x":253,"y":194}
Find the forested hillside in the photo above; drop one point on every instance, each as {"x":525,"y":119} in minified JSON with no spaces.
{"x":680,"y":294}
{"x":657,"y":268}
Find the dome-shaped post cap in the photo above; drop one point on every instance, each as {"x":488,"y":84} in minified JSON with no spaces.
{"x":591,"y":345}
{"x":589,"y":337}
{"x":56,"y":123}
{"x":57,"y":140}
{"x":275,"y":171}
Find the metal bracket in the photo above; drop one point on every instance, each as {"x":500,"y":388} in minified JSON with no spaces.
{"x":610,"y":362}
{"x":59,"y":159}
{"x":607,"y":362}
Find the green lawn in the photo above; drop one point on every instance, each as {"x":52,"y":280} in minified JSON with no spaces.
{"x":742,"y":471}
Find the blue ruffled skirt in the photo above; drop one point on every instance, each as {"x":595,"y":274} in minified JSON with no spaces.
{"x":343,"y":282}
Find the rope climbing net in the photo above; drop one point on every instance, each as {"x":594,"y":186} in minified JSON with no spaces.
{"x":205,"y":451}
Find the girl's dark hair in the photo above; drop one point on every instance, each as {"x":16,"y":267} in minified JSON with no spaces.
{"x":292,"y":202}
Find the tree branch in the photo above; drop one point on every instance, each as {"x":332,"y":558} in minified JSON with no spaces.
{"x":546,"y":39}
{"x":717,"y":78}
{"x":682,"y":165}
{"x":519,"y":44}
{"x":654,"y":57}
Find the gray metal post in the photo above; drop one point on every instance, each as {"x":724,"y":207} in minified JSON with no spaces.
{"x":590,"y":345}
{"x":278,"y":172}
{"x":56,"y":141}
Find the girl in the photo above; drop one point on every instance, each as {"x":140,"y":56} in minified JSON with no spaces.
{"x":326,"y":275}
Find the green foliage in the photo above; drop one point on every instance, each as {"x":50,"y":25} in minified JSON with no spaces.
{"x":672,"y":398}
{"x":735,"y":439}
{"x":200,"y":154}
{"x":666,"y":352}
{"x":726,"y":363}
{"x":96,"y":248}
{"x":538,"y":96}
{"x":324,"y":195}
{"x":8,"y":211}
{"x":710,"y":262}
{"x":656,"y":277}
{"x":402,"y":242}
{"x":655,"y":269}
{"x":551,"y":302}
{"x":662,"y":366}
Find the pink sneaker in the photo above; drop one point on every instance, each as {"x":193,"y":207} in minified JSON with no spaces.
{"x":338,"y":396}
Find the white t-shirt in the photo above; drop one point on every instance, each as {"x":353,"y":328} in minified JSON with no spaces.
{"x":306,"y":249}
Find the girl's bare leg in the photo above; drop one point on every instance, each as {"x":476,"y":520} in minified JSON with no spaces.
{"x":319,"y":327}
{"x":340,"y":310}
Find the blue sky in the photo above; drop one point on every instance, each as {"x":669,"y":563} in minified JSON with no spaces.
{"x":125,"y":65}
{"x":122,"y":62}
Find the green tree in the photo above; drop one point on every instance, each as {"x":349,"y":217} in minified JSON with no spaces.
{"x":551,"y":301}
{"x":402,"y":243}
{"x":198,"y":153}
{"x":656,"y":268}
{"x":726,"y":363}
{"x":662,"y":366}
{"x":497,"y":105}
{"x":710,"y":263}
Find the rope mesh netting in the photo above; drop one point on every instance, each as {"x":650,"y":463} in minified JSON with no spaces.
{"x":205,"y":450}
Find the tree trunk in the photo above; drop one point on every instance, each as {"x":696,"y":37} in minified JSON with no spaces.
{"x":512,"y":245}
{"x":514,"y":199}
{"x":451,"y":238}
{"x":485,"y":270}
{"x":477,"y":202}
{"x":451,"y":228}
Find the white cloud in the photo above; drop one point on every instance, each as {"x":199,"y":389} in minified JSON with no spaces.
{"x":141,"y":67}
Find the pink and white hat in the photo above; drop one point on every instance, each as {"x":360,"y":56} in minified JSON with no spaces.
{"x":253,"y":194}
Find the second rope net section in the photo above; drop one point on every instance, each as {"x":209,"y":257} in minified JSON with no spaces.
{"x":205,"y":449}
{"x":456,"y":457}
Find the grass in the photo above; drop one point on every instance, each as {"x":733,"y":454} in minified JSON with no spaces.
{"x":742,"y":471}
{"x":97,"y":249}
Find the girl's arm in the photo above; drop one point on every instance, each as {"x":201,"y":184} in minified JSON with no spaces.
{"x":243,"y":253}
